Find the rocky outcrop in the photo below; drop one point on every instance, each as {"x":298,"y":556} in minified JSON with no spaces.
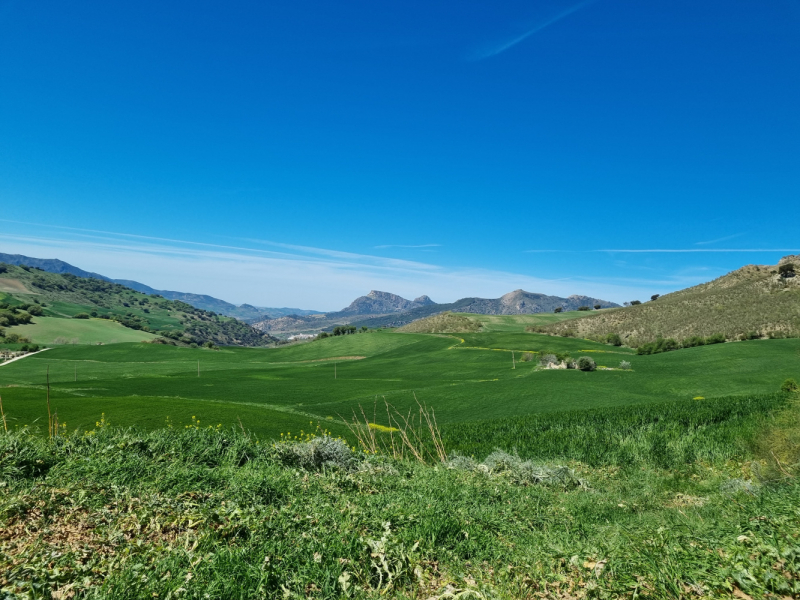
{"x":520,"y":302}
{"x":381,"y":303}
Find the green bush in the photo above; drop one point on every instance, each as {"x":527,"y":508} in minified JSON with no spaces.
{"x":558,"y":309}
{"x":35,"y":310}
{"x":790,"y":385}
{"x":583,"y":308}
{"x":80,"y":316}
{"x":717,"y":338}
{"x":659,"y":346}
{"x":586,"y":363}
{"x":614,"y":339}
{"x":694,"y":341}
{"x":635,"y":302}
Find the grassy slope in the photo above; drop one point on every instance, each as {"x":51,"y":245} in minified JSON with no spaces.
{"x":520,"y":322}
{"x":465,"y":378}
{"x":751,"y":299}
{"x":44,"y":330}
{"x":67,"y":295}
{"x":212,"y":513}
{"x":442,"y":323}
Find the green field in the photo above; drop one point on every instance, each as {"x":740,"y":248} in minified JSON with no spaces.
{"x":46,"y":330}
{"x":674,"y":479}
{"x":466,"y":377}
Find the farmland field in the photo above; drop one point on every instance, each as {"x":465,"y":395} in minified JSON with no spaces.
{"x":465,"y":377}
{"x":45,"y":330}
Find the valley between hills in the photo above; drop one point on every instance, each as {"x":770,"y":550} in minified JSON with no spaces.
{"x":529,"y":446}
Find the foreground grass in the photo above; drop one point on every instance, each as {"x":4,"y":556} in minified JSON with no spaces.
{"x":212,"y":513}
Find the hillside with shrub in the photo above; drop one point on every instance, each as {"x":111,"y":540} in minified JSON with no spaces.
{"x":754,"y":302}
{"x":30,"y":298}
{"x":445,"y":322}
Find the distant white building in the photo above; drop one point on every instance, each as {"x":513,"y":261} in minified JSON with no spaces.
{"x":301,"y":336}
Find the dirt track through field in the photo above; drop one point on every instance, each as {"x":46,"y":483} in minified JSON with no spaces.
{"x":23,"y":356}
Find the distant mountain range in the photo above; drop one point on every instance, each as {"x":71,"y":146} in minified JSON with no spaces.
{"x":382,"y":309}
{"x":244,"y":312}
{"x":376,"y":309}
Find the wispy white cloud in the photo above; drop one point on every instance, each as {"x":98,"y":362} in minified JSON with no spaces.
{"x":283,"y":276}
{"x":723,"y":239}
{"x":496,"y":49}
{"x":407,"y":246}
{"x":681,"y":250}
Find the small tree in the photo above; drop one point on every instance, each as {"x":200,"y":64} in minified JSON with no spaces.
{"x":635,"y":302}
{"x":583,"y":308}
{"x":614,"y":339}
{"x":586,"y":363}
{"x":597,"y":307}
{"x":786,"y":270}
{"x":655,"y":296}
{"x":558,"y":309}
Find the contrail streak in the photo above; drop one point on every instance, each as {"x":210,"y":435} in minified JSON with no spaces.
{"x":513,"y":42}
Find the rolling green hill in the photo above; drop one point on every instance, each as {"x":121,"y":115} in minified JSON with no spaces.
{"x":177,"y":469}
{"x":55,"y":300}
{"x":465,"y":377}
{"x":755,"y":301}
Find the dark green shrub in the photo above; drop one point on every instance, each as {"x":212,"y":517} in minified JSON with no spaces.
{"x":786,"y":270}
{"x":35,"y":310}
{"x":694,"y":341}
{"x":790,"y":385}
{"x":558,"y":309}
{"x":586,"y":363}
{"x":583,"y":308}
{"x":659,"y":346}
{"x":752,"y":335}
{"x":655,"y":297}
{"x":597,"y":307}
{"x":614,"y":339}
{"x":635,"y":302}
{"x":80,"y":316}
{"x":3,"y":268}
{"x":717,"y":338}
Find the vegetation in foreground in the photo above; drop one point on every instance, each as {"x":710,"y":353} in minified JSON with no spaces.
{"x":205,"y":512}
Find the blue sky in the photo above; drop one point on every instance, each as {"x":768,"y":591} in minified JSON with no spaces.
{"x":302,"y":153}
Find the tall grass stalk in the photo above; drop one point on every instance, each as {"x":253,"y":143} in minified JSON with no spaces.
{"x":3,"y":415}
{"x":415,"y":433}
